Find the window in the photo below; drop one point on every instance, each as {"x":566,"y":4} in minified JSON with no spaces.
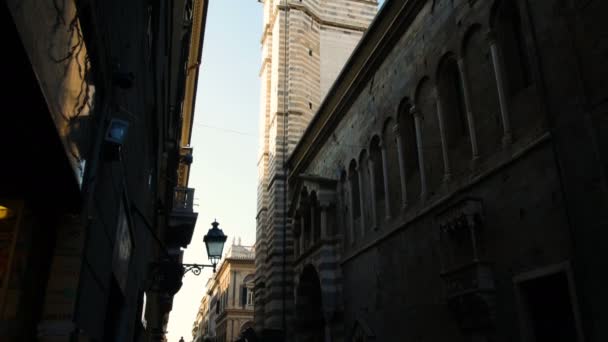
{"x":316,"y":218}
{"x":506,"y":21}
{"x":354,"y":189}
{"x":378,"y":173}
{"x":451,"y":97}
{"x":407,"y":130}
{"x":426,"y":103}
{"x":246,"y":296}
{"x":249,"y":296}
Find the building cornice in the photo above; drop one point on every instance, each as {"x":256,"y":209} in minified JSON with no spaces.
{"x":233,"y":261}
{"x":316,"y":17}
{"x":199,"y":19}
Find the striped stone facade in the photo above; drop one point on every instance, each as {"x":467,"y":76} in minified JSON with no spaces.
{"x":305,"y":43}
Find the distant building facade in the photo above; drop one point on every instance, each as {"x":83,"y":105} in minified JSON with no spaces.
{"x":452,"y":185}
{"x":304,"y":46}
{"x":95,"y":141}
{"x":226,"y":309}
{"x":202,"y":330}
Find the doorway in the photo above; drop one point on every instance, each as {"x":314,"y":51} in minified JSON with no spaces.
{"x":548,"y":306}
{"x":310,"y":326}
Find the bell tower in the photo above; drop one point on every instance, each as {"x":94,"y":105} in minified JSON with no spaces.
{"x":305,"y":44}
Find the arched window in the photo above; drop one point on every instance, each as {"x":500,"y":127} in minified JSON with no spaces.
{"x":376,"y":159}
{"x":394,"y":181}
{"x":407,"y":130}
{"x":364,"y":191}
{"x":426,"y":104}
{"x":456,"y":129}
{"x":297,"y":232}
{"x":247,"y":291}
{"x":484,"y":92}
{"x":315,"y":218}
{"x":306,"y":219}
{"x":343,"y":205}
{"x":353,"y":178}
{"x":507,"y":24}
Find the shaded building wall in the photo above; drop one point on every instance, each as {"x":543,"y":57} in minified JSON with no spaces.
{"x":85,"y":203}
{"x":577,"y":119}
{"x":459,"y":103}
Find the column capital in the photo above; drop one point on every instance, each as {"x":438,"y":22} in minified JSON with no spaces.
{"x":325,"y":205}
{"x":396,"y":129}
{"x":415,"y":112}
{"x":435,"y":90}
{"x":460,"y":62}
{"x":381,"y":143}
{"x":491,"y":37}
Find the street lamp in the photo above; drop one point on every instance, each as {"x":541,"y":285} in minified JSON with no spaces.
{"x":166,"y":275}
{"x":214,"y":242}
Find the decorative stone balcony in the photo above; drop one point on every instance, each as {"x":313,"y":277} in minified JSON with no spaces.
{"x":313,"y":214}
{"x":468,"y":278}
{"x":470,"y":295}
{"x":182,"y":218}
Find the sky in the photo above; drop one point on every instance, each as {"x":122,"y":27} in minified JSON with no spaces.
{"x":224,"y":137}
{"x":225,"y":141}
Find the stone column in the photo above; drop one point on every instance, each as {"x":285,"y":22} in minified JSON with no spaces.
{"x":502,"y":92}
{"x":313,"y":224}
{"x":402,"y":171}
{"x":360,"y":171}
{"x":372,"y":188}
{"x":447,"y":172}
{"x":302,"y":232}
{"x":297,"y":227}
{"x":467,"y":103}
{"x":324,"y":224}
{"x":418,"y":126}
{"x":385,"y":172}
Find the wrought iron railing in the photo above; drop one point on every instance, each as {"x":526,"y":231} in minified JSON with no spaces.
{"x":183,"y":199}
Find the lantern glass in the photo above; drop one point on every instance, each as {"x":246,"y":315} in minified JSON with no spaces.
{"x":214,"y":241}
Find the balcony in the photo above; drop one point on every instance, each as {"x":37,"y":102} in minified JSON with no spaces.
{"x":182,"y":218}
{"x":470,"y":295}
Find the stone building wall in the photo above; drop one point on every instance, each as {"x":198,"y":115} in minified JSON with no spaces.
{"x":446,"y":134}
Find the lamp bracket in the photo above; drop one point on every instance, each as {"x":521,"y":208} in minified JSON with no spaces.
{"x":196,"y":268}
